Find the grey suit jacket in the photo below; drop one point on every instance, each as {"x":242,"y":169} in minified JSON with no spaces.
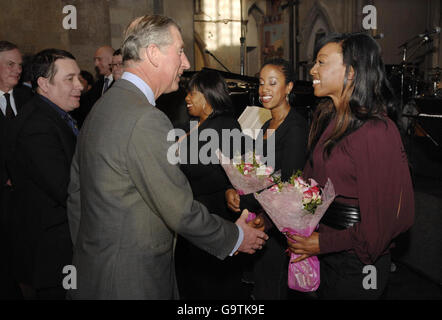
{"x":126,"y":201}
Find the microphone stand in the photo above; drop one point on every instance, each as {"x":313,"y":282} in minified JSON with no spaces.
{"x":405,"y":48}
{"x":213,"y":56}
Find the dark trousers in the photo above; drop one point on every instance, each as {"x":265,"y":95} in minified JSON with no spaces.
{"x":201,"y":276}
{"x":9,"y":289}
{"x":267,"y":269}
{"x":343,"y":277}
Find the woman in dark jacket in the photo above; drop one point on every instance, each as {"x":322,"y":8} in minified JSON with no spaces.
{"x":270,"y":265}
{"x":199,"y":274}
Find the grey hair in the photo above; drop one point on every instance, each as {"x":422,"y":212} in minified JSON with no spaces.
{"x":144,"y":31}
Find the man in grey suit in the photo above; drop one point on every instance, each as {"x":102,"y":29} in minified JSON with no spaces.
{"x":126,"y":201}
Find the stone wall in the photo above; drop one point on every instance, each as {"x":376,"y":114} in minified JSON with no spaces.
{"x":36,"y":24}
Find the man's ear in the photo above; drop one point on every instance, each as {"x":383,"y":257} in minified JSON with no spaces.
{"x":151,"y":53}
{"x":43,"y":84}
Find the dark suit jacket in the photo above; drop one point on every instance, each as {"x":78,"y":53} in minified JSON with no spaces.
{"x":22,"y":94}
{"x":44,"y":151}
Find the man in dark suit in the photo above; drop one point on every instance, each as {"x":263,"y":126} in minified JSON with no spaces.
{"x":45,"y":145}
{"x":12,"y":99}
{"x":126,"y":200}
{"x":103,"y":62}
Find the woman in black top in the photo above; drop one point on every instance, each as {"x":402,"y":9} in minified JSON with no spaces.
{"x":290,"y":129}
{"x":199,"y":274}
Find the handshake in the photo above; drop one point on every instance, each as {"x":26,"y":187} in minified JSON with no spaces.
{"x":254,"y":236}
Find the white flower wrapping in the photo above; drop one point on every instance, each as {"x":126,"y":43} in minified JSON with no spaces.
{"x":252,"y":180}
{"x":286,"y":209}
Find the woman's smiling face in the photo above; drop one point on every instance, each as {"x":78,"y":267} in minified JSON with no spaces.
{"x":329,"y":72}
{"x":273,"y":88}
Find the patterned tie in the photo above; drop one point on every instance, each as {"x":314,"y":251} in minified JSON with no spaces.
{"x":9,"y":114}
{"x":106,"y":85}
{"x":72,"y":123}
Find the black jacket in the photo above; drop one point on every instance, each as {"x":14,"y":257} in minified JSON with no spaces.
{"x":44,"y":150}
{"x":8,"y":128}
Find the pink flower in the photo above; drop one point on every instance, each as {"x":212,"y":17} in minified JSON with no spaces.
{"x":250,"y":217}
{"x":248,"y":167}
{"x":308,"y":195}
{"x":315,"y":192}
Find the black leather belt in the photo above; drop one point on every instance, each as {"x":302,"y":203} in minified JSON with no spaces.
{"x":341,"y":216}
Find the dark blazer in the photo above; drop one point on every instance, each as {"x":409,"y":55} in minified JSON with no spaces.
{"x":208,"y":183}
{"x":44,"y":150}
{"x":22,"y":95}
{"x":290,"y":150}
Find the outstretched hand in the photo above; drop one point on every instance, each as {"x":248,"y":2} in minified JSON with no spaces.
{"x":254,"y":239}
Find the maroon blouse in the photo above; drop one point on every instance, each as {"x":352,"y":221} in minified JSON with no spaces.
{"x":368,"y":168}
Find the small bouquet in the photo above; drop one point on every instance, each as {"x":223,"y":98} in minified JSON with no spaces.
{"x":248,"y":175}
{"x":296,"y":207}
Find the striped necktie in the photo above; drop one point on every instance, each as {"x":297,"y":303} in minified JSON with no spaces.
{"x":106,"y":85}
{"x":9,"y":114}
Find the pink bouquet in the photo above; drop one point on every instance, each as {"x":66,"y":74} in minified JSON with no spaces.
{"x":249,"y":174}
{"x":296,"y":207}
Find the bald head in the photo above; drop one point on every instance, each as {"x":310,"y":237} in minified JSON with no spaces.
{"x":103,"y":60}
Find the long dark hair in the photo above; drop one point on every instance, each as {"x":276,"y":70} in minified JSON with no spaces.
{"x":369,"y":96}
{"x":288,"y":71}
{"x":212,"y":85}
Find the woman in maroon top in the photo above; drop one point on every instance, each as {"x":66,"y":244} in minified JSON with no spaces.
{"x":355,"y":143}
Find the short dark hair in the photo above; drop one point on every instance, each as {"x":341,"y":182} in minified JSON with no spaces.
{"x":117,"y":52}
{"x":43,"y":64}
{"x":288,"y":71}
{"x":212,"y":85}
{"x":7,"y":46}
{"x":87,"y":76}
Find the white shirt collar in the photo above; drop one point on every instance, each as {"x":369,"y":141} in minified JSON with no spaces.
{"x":3,"y":101}
{"x":110,"y":77}
{"x":140,"y":84}
{"x":2,"y":92}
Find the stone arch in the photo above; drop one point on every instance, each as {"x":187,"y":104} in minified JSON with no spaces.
{"x":255,"y":17}
{"x":317,"y":21}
